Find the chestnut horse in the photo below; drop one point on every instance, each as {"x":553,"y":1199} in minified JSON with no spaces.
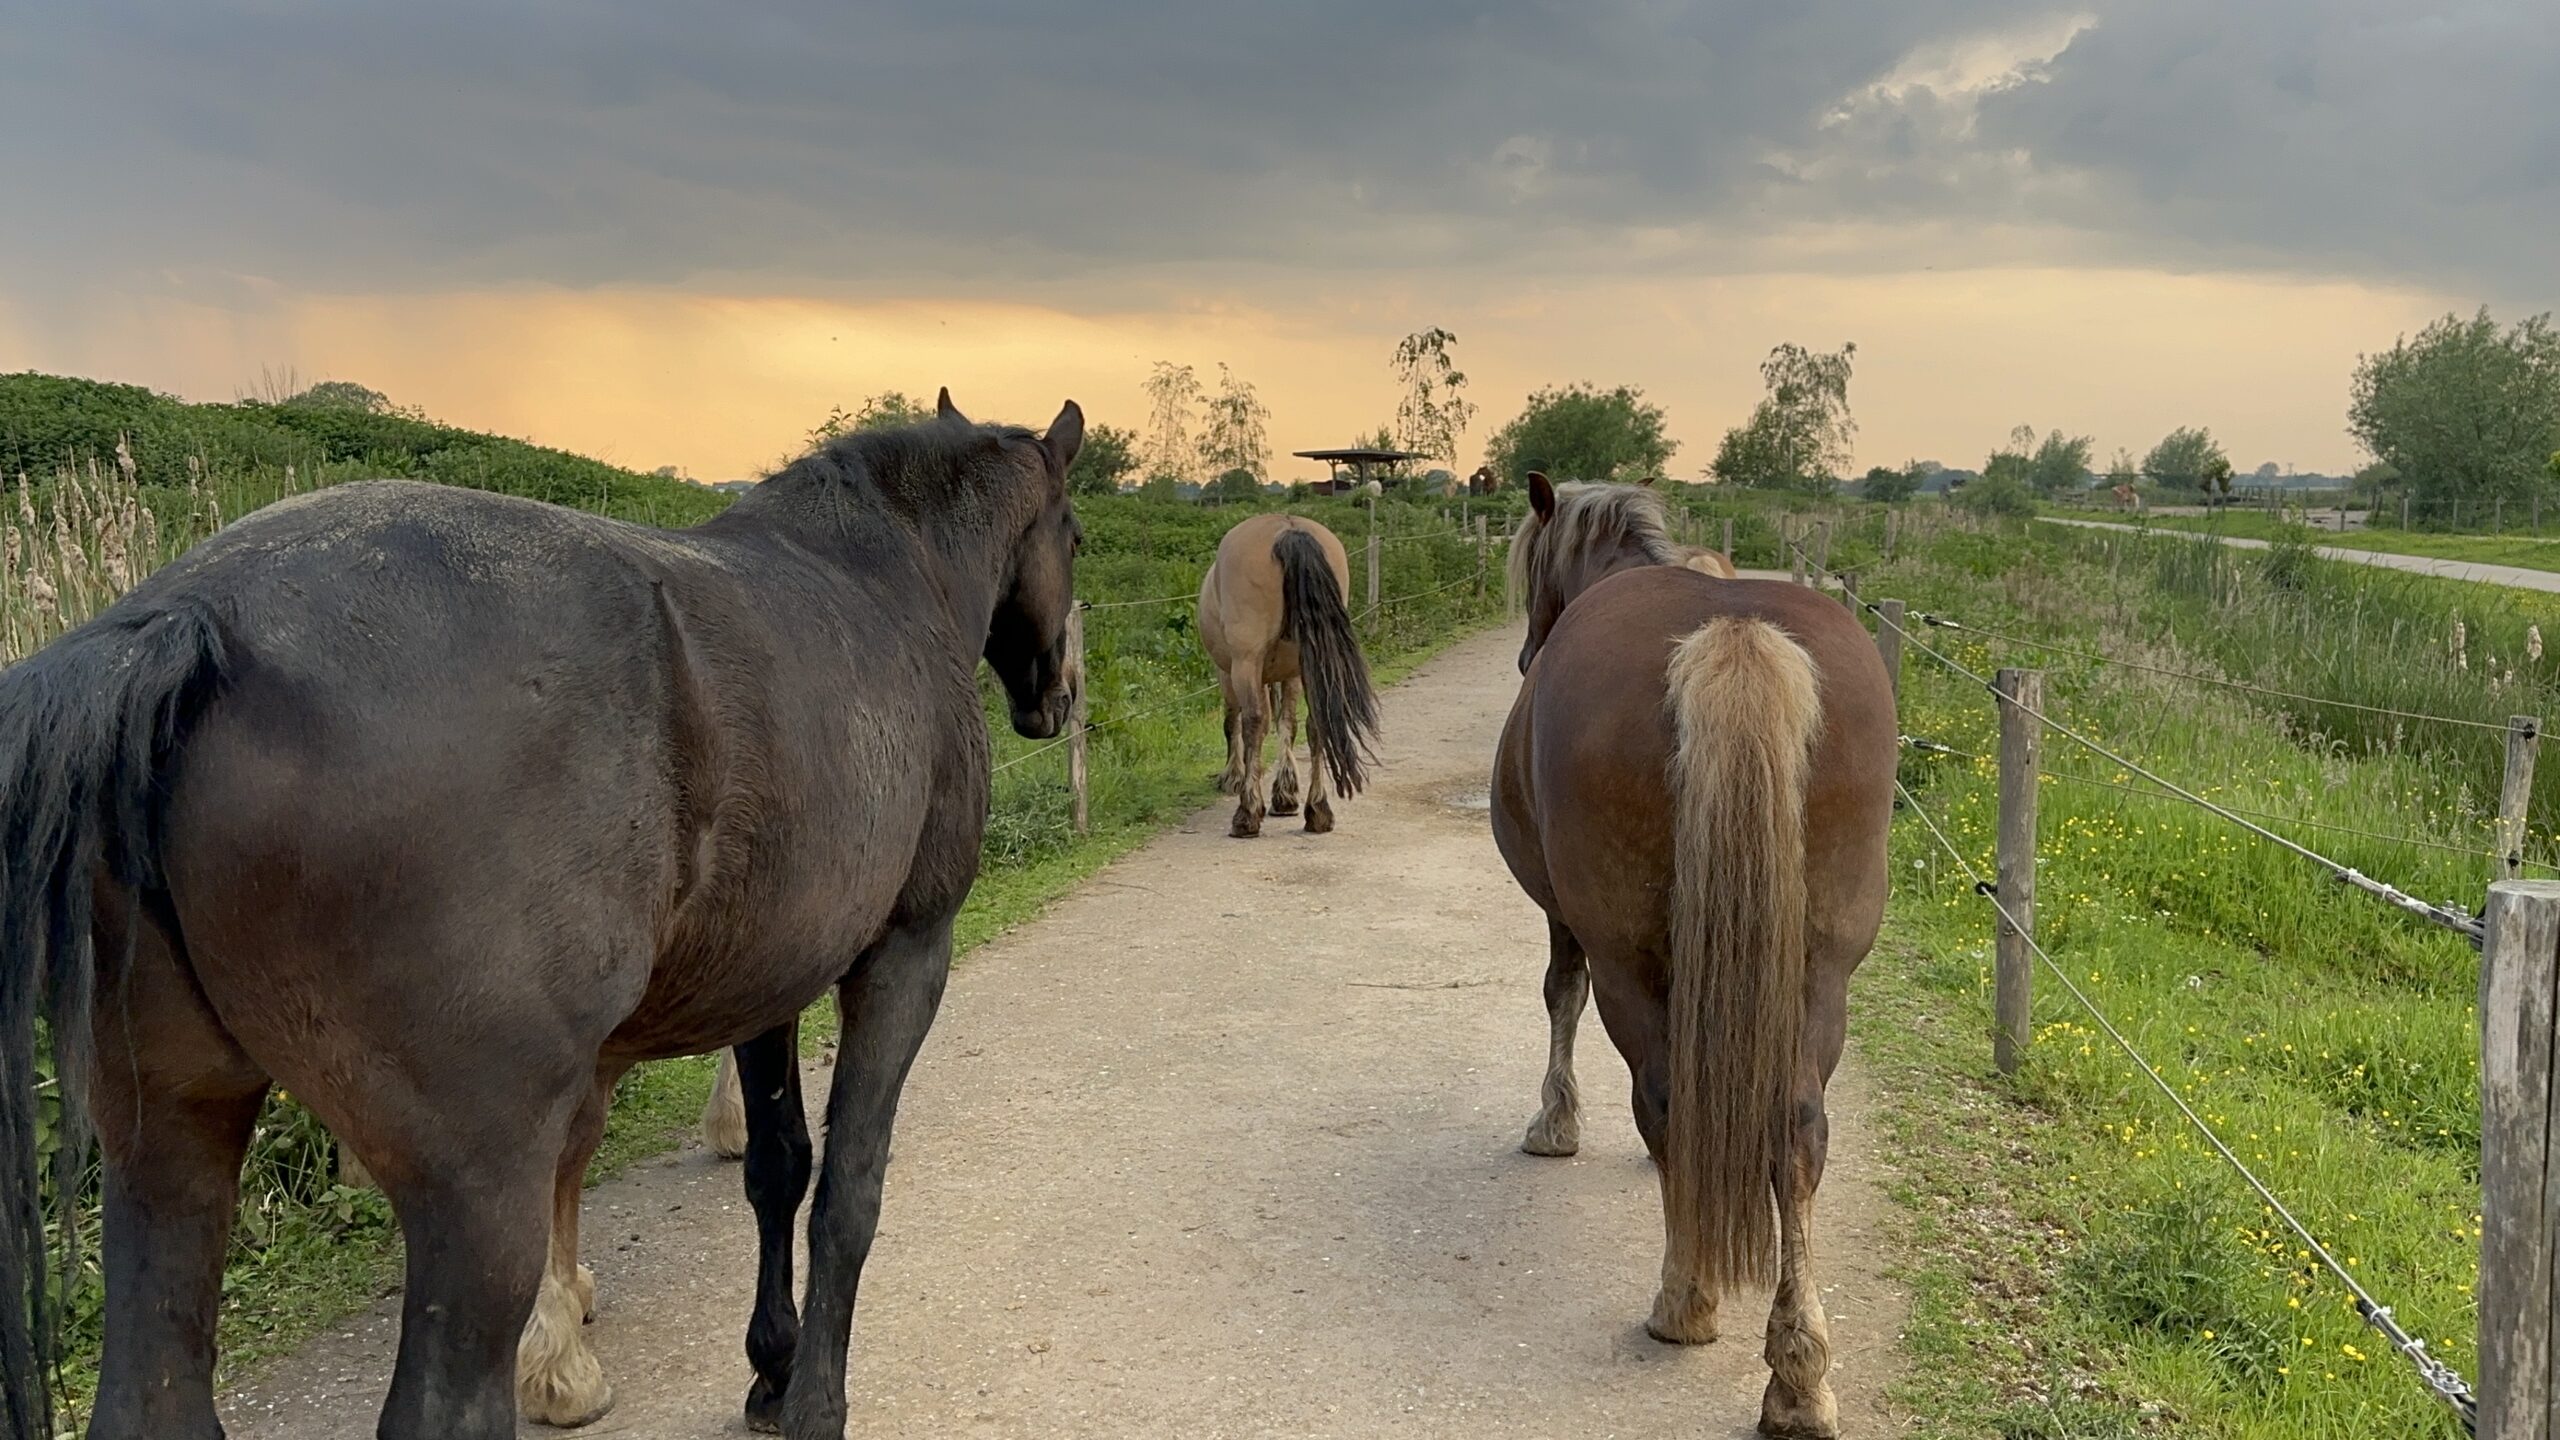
{"x":1695,"y":785}
{"x":1275,"y":618}
{"x":442,"y":809}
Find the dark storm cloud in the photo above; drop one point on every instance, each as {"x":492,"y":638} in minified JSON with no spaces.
{"x":866,"y":148}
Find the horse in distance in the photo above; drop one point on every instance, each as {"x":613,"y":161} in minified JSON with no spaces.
{"x":442,"y":809}
{"x":1695,"y":784}
{"x":1275,"y":617}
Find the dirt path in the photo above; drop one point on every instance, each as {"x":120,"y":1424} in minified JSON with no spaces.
{"x":2515,"y":575}
{"x":1225,"y":1145}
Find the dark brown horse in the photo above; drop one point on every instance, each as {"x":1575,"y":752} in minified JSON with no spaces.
{"x":1695,"y":785}
{"x":443,"y":809}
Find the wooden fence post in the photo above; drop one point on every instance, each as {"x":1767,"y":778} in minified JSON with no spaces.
{"x":1892,"y":524}
{"x":1821,"y":550}
{"x":2404,"y":509}
{"x":1795,"y":548}
{"x":1373,"y":552}
{"x":1849,"y":588}
{"x":2524,"y":737}
{"x":1484,"y":556}
{"x":1728,"y":539}
{"x":1077,"y":772}
{"x":1510,"y":595}
{"x":2519,"y":961}
{"x":1889,"y":641}
{"x":2021,"y":757}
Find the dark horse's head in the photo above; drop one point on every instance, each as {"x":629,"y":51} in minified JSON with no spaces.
{"x":1027,"y":638}
{"x":1575,"y":535}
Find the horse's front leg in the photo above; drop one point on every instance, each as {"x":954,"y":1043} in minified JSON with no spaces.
{"x":558,"y":1380}
{"x":778,"y":1157}
{"x":888,"y":1003}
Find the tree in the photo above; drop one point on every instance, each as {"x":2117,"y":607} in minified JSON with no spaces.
{"x":884,"y":411}
{"x":1432,"y":417}
{"x":1108,"y":453}
{"x":2465,"y":412}
{"x":1237,"y":485}
{"x":1235,"y":435}
{"x":1799,"y":435}
{"x":2122,"y":472}
{"x":2060,"y":465}
{"x":1888,"y":486}
{"x":1173,"y":400}
{"x":1582,"y":432}
{"x":343,"y":395}
{"x":1162,"y":487}
{"x":2189,"y":459}
{"x":2005,"y":486}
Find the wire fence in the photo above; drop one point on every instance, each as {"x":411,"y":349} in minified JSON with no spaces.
{"x":2198,"y":677}
{"x":2442,"y":1380}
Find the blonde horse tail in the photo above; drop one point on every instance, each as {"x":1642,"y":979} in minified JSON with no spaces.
{"x":1342,"y":706}
{"x":1745,"y":699}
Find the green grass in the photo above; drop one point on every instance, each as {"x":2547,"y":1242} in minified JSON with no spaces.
{"x":2082,"y":1265}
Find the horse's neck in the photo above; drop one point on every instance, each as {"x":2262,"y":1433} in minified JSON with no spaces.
{"x":1599,"y":565}
{"x":959,"y":562}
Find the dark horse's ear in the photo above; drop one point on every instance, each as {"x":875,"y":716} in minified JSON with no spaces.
{"x":1648,"y":481}
{"x":943,"y":407}
{"x":1065,"y":437}
{"x":1542,"y":496}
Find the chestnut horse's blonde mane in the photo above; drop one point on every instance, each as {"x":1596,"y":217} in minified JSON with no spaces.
{"x":1590,"y":518}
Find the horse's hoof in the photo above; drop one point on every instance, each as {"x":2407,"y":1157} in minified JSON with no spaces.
{"x":1556,"y":1138}
{"x":1796,"y":1417}
{"x":1690,"y":1321}
{"x":562,"y":1412}
{"x":764,"y":1408}
{"x":1245,"y":826}
{"x":1320,"y":819}
{"x":1284,"y":805}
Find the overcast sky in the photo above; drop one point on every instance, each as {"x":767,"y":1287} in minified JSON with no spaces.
{"x":669,"y":233}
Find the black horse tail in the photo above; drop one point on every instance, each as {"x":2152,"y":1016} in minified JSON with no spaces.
{"x":1342,"y":707}
{"x":88,"y":727}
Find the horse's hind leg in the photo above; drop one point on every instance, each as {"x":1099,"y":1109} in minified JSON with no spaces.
{"x":558,"y":1381}
{"x":1684,"y":1310}
{"x":777,"y":1181}
{"x":1231,"y":779}
{"x":1799,"y":1404}
{"x":888,"y":1003}
{"x":175,"y":1100}
{"x":1245,"y":692}
{"x":1284,"y":716}
{"x":1319,"y":809}
{"x":1558,"y":1128}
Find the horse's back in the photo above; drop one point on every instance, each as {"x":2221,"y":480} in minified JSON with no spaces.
{"x":1586,"y":758}
{"x":1241,"y":595}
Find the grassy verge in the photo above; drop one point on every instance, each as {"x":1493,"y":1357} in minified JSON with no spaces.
{"x":2522,"y":551}
{"x":2083,"y":1266}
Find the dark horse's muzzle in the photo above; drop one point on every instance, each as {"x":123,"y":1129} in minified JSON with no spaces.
{"x":1053,"y":695}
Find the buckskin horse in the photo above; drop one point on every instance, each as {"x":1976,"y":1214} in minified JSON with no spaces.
{"x":1275,"y":618}
{"x":1695,"y":785}
{"x":442,"y":809}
